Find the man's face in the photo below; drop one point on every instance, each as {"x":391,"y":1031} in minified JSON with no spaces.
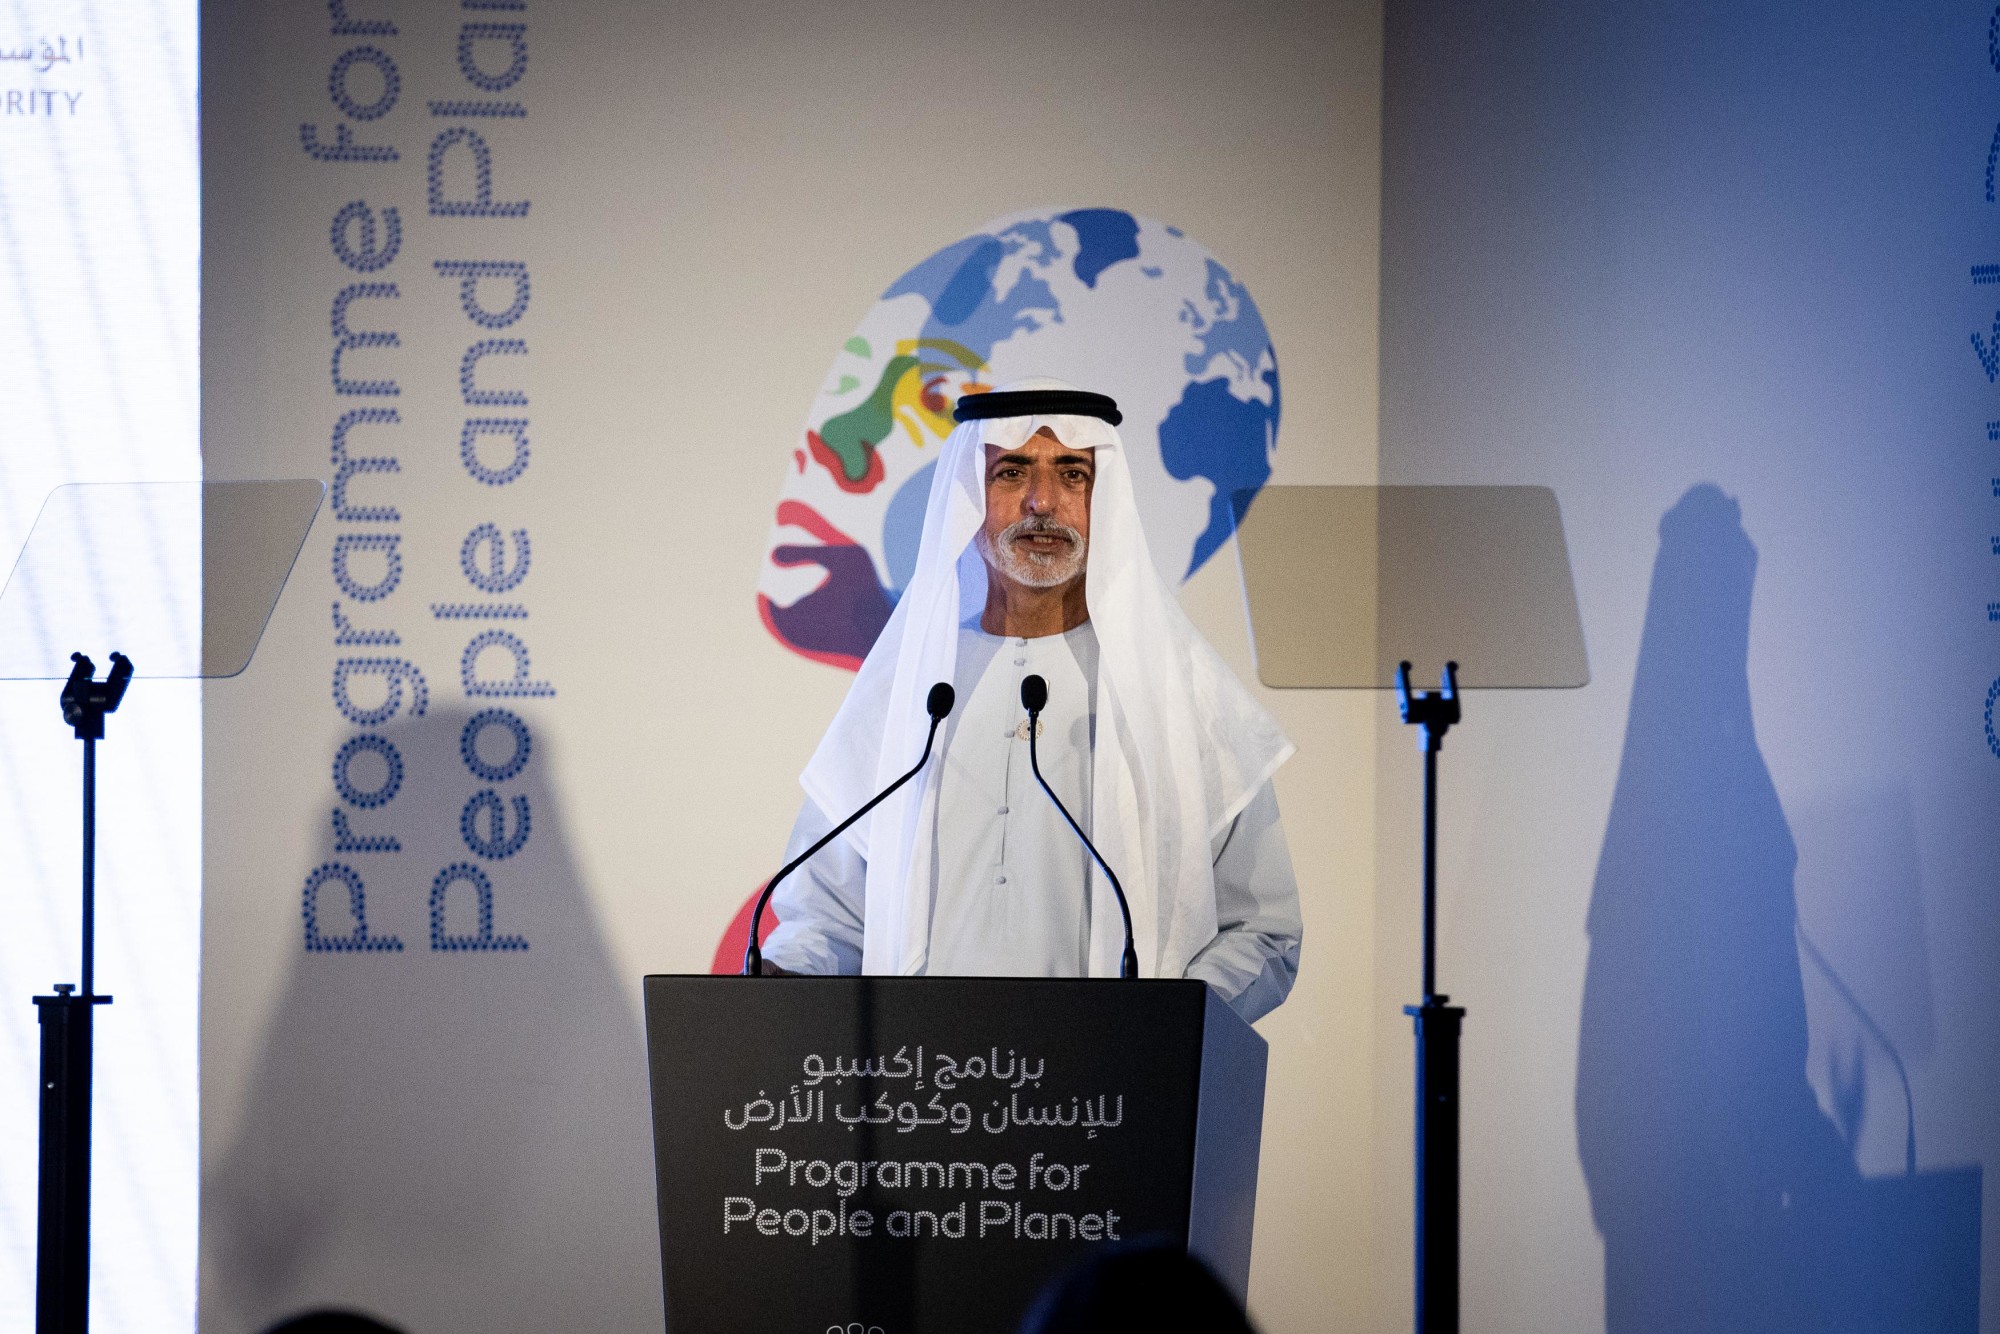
{"x":1037,"y":527}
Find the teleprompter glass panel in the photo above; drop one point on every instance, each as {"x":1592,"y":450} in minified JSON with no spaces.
{"x":1345,"y":582}
{"x":178,"y":576}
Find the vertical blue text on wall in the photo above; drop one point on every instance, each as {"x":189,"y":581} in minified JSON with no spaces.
{"x":364,"y":85}
{"x":1989,"y":358}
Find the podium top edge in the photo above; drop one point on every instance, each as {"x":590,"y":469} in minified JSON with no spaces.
{"x":880,"y":978}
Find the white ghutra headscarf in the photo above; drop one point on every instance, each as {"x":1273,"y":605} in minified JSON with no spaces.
{"x":1181,"y":745}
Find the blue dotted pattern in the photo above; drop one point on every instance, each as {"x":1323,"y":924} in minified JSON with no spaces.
{"x":518,"y":685}
{"x":347,"y":635}
{"x":343,"y":148}
{"x":481,"y":205}
{"x":398,"y":672}
{"x":392,"y":83}
{"x":470,"y":271}
{"x":498,"y":844}
{"x":1993,"y":430}
{"x":344,"y":26}
{"x":367,"y":257}
{"x":478,"y":611}
{"x":495,"y":578}
{"x":516,"y":37}
{"x":346,"y":840}
{"x":392,"y":782}
{"x":484,"y":939}
{"x":344,"y":467}
{"x":468,"y":110}
{"x":468,"y":448}
{"x":359,"y":941}
{"x":1992,"y":738}
{"x":389,"y":544}
{"x":468,"y":372}
{"x":346,"y":340}
{"x":1989,"y":354}
{"x":468,"y":745}
{"x":1984,"y":274}
{"x":367,"y":240}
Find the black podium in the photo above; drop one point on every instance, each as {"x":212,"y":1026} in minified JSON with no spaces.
{"x":923,"y":1154}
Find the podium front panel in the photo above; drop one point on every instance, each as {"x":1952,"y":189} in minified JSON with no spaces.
{"x":911,"y":1154}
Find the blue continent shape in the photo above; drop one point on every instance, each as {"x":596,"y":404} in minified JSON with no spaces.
{"x":1107,"y":236}
{"x":1212,"y":433}
{"x":1239,"y":330}
{"x":957,"y":282}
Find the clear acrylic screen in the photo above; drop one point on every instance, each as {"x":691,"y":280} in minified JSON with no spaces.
{"x":1345,"y":582}
{"x":180,"y":577}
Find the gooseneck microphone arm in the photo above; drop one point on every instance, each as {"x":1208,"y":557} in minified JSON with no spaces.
{"x":938,"y":704}
{"x":1034,"y":697}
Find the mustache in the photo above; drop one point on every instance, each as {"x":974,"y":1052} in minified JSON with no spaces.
{"x":1041,"y":526}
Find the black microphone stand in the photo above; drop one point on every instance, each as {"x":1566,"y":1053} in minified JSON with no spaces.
{"x":1438,"y":1028}
{"x":938,"y":704}
{"x":62,"y":1253}
{"x":1034,"y":696}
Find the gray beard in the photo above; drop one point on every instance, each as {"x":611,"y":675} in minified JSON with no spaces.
{"x":1033,"y":569}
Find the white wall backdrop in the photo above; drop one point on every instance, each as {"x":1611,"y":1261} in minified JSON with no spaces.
{"x":1715,"y":273}
{"x":99,"y":253}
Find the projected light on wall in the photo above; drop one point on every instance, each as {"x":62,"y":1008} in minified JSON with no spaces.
{"x":99,"y":256}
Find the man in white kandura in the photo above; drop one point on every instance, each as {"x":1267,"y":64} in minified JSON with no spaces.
{"x":1033,"y":562}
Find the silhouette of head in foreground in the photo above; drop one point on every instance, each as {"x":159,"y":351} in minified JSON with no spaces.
{"x":1150,"y":1288}
{"x":331,"y":1321}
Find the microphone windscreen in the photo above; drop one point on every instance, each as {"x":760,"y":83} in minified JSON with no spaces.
{"x":941,"y":699}
{"x":1034,"y":693}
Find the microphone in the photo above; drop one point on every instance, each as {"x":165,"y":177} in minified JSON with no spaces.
{"x":938,"y":704}
{"x":1034,"y":698}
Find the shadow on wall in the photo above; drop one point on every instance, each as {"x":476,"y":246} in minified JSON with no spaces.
{"x":1726,"y":1199}
{"x":456,"y":1138}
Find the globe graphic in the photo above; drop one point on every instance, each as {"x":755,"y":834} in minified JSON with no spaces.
{"x":1102,"y":298}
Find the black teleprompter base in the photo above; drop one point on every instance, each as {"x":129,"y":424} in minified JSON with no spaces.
{"x":1438,"y":1028}
{"x":62,"y":1265}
